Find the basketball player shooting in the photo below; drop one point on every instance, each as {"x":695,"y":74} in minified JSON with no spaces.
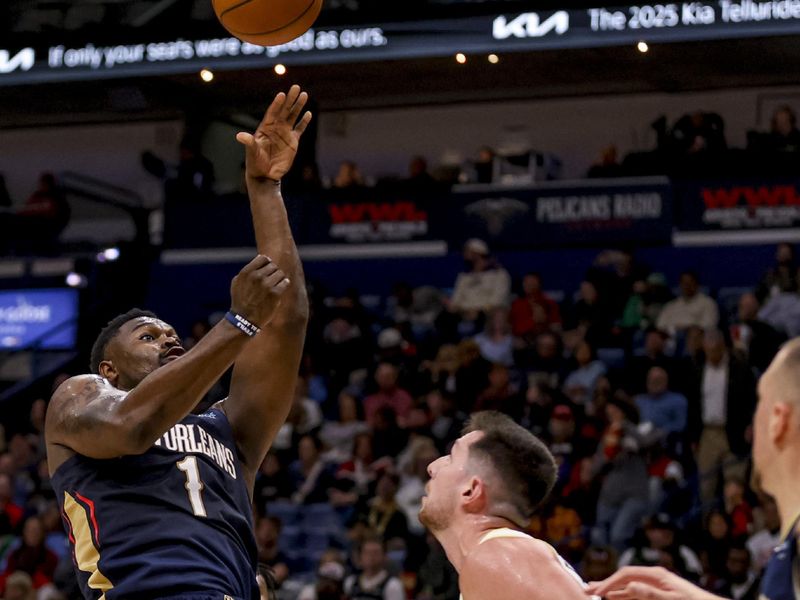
{"x":479,"y":501}
{"x":157,"y":501}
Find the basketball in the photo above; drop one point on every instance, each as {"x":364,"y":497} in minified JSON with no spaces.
{"x":267,"y":22}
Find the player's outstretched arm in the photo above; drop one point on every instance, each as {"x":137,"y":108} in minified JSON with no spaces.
{"x":90,"y":416}
{"x":647,"y":583}
{"x":265,"y":374}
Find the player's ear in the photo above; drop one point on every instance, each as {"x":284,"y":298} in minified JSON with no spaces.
{"x":108,"y":371}
{"x":780,"y":418}
{"x":473,"y":495}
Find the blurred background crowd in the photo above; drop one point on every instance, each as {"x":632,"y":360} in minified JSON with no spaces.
{"x":643,"y":388}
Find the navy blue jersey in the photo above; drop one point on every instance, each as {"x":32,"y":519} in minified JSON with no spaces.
{"x":782,"y":574}
{"x":173,"y":522}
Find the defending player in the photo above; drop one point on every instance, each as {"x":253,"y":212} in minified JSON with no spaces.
{"x":157,"y":501}
{"x":776,"y":451}
{"x":479,"y":500}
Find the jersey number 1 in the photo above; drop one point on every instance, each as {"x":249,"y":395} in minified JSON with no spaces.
{"x":193,"y":484}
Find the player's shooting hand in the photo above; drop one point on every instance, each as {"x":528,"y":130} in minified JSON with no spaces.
{"x":271,"y":149}
{"x":257,"y":290}
{"x":647,"y":583}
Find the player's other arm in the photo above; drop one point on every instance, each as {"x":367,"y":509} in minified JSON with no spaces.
{"x":648,"y":583}
{"x":499,"y":570}
{"x":91,"y":417}
{"x":265,"y":374}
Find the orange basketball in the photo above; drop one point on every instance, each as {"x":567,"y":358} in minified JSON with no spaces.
{"x":267,"y":22}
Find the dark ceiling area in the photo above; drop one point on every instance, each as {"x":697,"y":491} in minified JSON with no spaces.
{"x":668,"y":68}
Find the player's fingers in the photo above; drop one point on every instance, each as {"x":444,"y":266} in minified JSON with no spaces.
{"x":274,"y":109}
{"x":297,"y":107}
{"x":268,"y":269}
{"x":281,"y":286}
{"x":640,"y":591}
{"x":245,"y":139}
{"x":258,"y":262}
{"x":622,"y":578}
{"x":291,"y":99}
{"x":303,"y":123}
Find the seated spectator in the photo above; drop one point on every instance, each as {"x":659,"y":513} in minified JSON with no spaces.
{"x":436,"y":579}
{"x":738,"y":509}
{"x":388,"y":439}
{"x":356,"y":477}
{"x":500,"y":394}
{"x":783,"y":135}
{"x":592,"y":315}
{"x":268,"y":531}
{"x":741,"y":582}
{"x":782,"y":311}
{"x":373,"y":581}
{"x":717,"y":539}
{"x":758,"y":341}
{"x":40,"y":220}
{"x":645,"y":303}
{"x":579,"y":384}
{"x":446,"y":420}
{"x":546,"y":363}
{"x":624,"y":495}
{"x":272,"y":483}
{"x":762,"y":543}
{"x":349,"y":176}
{"x":607,"y":165}
{"x":561,"y":526}
{"x":19,"y":586}
{"x":599,"y":563}
{"x":472,"y":375}
{"x":388,"y":395}
{"x":338,"y":436}
{"x":311,"y":475}
{"x":412,"y":485}
{"x":484,"y":165}
{"x":495,"y":342}
{"x":653,"y":355}
{"x":665,"y":409}
{"x":418,"y":176}
{"x":698,"y":132}
{"x":561,"y":433}
{"x":661,"y":547}
{"x":534,"y":312}
{"x":782,"y":277}
{"x":442,"y":370}
{"x":329,"y":584}
{"x":10,"y":513}
{"x":32,"y":556}
{"x":483,"y":286}
{"x":692,"y":307}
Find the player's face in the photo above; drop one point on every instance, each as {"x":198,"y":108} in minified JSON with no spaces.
{"x":448,"y":473}
{"x":142,"y":346}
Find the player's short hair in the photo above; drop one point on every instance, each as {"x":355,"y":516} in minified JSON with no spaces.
{"x":109,"y":332}
{"x":523,"y":463}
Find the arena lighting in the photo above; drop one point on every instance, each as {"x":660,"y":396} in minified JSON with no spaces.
{"x":280,"y":69}
{"x":494,"y":59}
{"x":642,"y":47}
{"x":108,"y":255}
{"x":76,"y":280}
{"x":207,"y":76}
{"x":461,"y":58}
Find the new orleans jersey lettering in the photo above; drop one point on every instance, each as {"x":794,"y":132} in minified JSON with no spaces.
{"x":193,"y":439}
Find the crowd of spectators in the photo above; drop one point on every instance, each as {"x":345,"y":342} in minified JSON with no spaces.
{"x":644,"y":396}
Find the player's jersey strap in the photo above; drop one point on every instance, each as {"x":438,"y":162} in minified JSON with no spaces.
{"x":81,"y":522}
{"x":781,"y":577}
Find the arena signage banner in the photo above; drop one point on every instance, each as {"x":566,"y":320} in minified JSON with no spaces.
{"x":744,"y":211}
{"x":584,"y":28}
{"x":44,"y":318}
{"x":597,"y":212}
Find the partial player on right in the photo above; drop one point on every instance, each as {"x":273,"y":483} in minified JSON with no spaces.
{"x":776,"y":454}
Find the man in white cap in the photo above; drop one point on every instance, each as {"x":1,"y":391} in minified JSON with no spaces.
{"x":483,"y":286}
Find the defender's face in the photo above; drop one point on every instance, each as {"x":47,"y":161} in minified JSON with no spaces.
{"x":140,"y":347}
{"x":447,"y":474}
